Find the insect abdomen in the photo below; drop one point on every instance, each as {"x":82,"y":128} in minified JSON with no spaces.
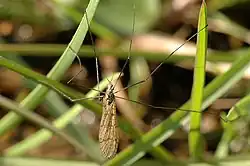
{"x":108,"y":133}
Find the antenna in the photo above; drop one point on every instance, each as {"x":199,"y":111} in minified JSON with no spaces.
{"x":172,"y":53}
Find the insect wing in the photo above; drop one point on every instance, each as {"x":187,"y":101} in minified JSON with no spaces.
{"x":108,"y":132}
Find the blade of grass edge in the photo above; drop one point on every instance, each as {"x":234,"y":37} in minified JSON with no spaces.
{"x":195,"y":138}
{"x":87,"y":51}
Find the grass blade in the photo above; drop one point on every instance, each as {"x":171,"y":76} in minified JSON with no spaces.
{"x":195,"y":140}
{"x":87,"y":51}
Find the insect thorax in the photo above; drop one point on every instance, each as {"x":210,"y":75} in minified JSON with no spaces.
{"x":110,"y":94}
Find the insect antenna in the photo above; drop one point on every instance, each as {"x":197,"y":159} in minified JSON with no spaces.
{"x":96,"y":62}
{"x":80,"y":64}
{"x":95,"y":52}
{"x":130,"y":46}
{"x":142,"y":81}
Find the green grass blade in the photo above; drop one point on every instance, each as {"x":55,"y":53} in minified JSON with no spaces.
{"x":38,"y":94}
{"x":222,"y":149}
{"x":195,"y":140}
{"x":218,"y":87}
{"x":139,"y":70}
{"x":240,"y":109}
{"x":87,"y":51}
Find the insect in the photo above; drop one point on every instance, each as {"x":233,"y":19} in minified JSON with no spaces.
{"x":108,"y":133}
